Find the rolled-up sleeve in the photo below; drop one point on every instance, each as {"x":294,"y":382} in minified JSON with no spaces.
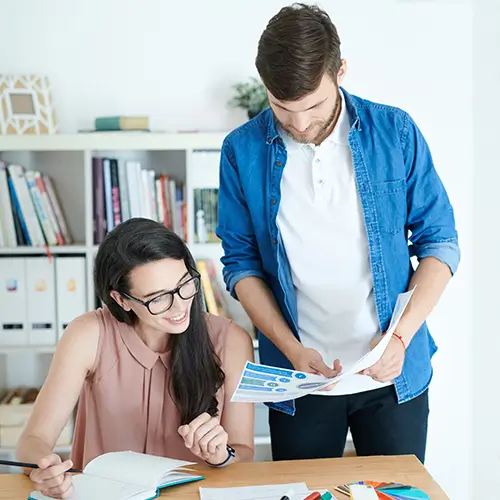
{"x":430,"y":217}
{"x":235,"y":228}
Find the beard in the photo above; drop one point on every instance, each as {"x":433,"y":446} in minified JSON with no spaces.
{"x":323,"y":131}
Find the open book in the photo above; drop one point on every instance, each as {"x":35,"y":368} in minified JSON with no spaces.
{"x":127,"y":475}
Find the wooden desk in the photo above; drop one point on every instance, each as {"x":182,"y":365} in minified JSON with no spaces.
{"x":316,"y":473}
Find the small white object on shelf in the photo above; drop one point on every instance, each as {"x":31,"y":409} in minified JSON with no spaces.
{"x":201,"y":229}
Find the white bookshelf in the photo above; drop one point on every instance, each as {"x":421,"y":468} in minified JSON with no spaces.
{"x":67,"y":159}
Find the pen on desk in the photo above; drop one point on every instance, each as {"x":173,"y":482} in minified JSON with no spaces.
{"x":314,"y":496}
{"x":288,"y":495}
{"x":344,"y":490}
{"x":28,"y":465}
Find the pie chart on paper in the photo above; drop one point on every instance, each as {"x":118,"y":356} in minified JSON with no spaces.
{"x":392,"y":491}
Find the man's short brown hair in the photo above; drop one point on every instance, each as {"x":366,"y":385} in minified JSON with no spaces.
{"x":299,"y":45}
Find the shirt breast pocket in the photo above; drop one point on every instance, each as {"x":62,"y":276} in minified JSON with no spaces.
{"x":390,"y":202}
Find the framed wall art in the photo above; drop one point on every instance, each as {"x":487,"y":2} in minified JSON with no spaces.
{"x":26,"y":105}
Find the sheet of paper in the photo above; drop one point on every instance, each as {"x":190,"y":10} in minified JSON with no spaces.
{"x":260,"y":383}
{"x":362,"y":492}
{"x":268,"y":492}
{"x":376,"y":353}
{"x":263,"y":384}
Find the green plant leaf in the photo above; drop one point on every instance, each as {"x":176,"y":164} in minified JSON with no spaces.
{"x":250,"y":95}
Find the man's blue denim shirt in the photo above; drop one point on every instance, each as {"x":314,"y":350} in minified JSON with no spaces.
{"x":405,"y":206}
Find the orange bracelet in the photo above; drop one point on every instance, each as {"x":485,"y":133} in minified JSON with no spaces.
{"x":399,"y":338}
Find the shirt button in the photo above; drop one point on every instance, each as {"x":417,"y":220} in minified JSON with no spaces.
{"x":278,"y":164}
{"x":320,"y":181}
{"x":273,"y":201}
{"x":274,"y":241}
{"x":317,"y":160}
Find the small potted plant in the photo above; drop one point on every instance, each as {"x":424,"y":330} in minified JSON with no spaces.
{"x":250,"y":96}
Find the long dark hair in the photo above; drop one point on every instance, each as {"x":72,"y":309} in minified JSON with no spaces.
{"x":196,"y":373}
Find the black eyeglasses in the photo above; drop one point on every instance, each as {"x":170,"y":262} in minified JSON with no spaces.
{"x":162,"y":303}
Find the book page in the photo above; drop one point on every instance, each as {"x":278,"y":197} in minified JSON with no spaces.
{"x":173,"y":478}
{"x":92,"y":487}
{"x":134,"y":468}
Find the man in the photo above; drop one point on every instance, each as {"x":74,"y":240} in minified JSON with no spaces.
{"x":323,"y":199}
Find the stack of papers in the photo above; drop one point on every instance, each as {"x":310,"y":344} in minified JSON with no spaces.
{"x":265,"y":384}
{"x":297,"y":491}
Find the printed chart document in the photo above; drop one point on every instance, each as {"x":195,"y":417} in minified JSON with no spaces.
{"x":127,"y":475}
{"x":265,"y":384}
{"x":298,"y":491}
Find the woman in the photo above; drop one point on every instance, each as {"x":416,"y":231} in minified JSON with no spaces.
{"x":151,"y":370}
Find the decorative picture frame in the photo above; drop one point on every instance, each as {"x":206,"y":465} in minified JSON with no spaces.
{"x":26,"y":105}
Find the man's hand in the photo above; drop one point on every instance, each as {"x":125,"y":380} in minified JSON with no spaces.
{"x":390,"y":365}
{"x":206,"y":438}
{"x":310,"y":361}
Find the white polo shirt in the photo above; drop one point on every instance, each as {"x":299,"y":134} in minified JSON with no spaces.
{"x":321,"y":224}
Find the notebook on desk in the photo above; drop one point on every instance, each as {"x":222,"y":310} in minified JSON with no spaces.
{"x":127,"y":475}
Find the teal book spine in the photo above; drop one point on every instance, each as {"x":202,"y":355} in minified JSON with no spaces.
{"x":103,"y":123}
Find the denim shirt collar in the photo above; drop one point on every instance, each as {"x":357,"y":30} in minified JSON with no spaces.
{"x":273,"y":133}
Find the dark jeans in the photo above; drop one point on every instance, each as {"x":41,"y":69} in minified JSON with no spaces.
{"x":379,"y":426}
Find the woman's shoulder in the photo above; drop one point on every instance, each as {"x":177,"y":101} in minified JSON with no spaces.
{"x":87,"y":324}
{"x":93,"y":332}
{"x":81,"y":338}
{"x":90,"y":323}
{"x":226,"y":334}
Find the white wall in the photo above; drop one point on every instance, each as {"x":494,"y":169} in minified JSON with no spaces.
{"x":176,"y":62}
{"x":486,"y":352}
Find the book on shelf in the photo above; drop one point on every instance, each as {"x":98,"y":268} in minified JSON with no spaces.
{"x":127,"y":475}
{"x":125,"y":189}
{"x":215,"y":301}
{"x":30,"y":211}
{"x":205,"y":214}
{"x":117,"y":123}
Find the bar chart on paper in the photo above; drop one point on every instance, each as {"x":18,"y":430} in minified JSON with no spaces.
{"x":263,"y":384}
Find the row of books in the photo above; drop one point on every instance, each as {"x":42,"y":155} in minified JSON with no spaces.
{"x":30,"y":211}
{"x":124,"y":189}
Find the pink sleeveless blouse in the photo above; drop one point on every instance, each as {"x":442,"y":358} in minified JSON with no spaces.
{"x":125,"y":403}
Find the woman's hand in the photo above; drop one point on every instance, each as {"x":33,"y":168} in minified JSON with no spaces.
{"x":51,"y":479}
{"x":206,"y":438}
